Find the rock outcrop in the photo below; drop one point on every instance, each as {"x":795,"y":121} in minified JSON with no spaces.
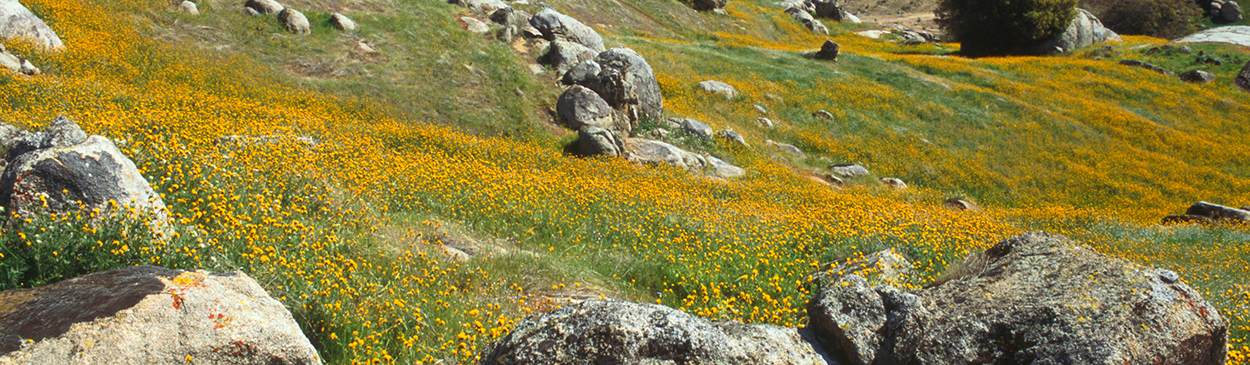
{"x":615,"y":332}
{"x":595,"y":141}
{"x":628,"y":84}
{"x":1197,"y":76}
{"x":1044,"y":299}
{"x":19,"y":22}
{"x":828,"y":51}
{"x":294,"y":21}
{"x":563,"y":56}
{"x":65,"y":168}
{"x":656,"y":152}
{"x":150,"y":315}
{"x":1243,"y":77}
{"x":342,"y":22}
{"x":1230,"y":12}
{"x":579,"y":106}
{"x":264,"y":6}
{"x":559,"y":27}
{"x":1218,"y":212}
{"x":848,"y":170}
{"x":1085,"y":29}
{"x":719,"y":88}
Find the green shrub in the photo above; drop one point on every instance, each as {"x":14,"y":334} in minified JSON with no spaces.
{"x":1157,"y":18}
{"x":990,"y":27}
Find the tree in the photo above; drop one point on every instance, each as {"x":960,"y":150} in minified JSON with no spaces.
{"x":990,"y":27}
{"x":1159,"y":18}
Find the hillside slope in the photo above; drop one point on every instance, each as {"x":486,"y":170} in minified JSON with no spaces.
{"x":443,"y":139}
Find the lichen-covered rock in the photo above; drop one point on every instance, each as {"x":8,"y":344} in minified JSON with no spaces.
{"x":559,"y":27}
{"x":655,"y":152}
{"x":1038,"y":298}
{"x":342,"y":22}
{"x":616,"y":332}
{"x":294,"y":21}
{"x":64,"y":167}
{"x":19,"y":22}
{"x":719,"y":88}
{"x":150,"y":315}
{"x":848,"y":170}
{"x":579,"y":107}
{"x":264,"y":6}
{"x":848,"y":313}
{"x":628,"y":84}
{"x":595,"y":141}
{"x":563,"y":56}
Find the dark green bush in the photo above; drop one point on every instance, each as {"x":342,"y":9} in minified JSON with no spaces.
{"x":990,"y":27}
{"x":1157,"y":18}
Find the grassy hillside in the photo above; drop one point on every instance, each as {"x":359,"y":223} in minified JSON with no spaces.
{"x":444,"y":137}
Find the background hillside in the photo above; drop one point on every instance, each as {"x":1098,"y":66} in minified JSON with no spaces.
{"x":441,"y":137}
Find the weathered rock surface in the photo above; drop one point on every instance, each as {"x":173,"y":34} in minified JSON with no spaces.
{"x":884,"y":267}
{"x":294,"y":21}
{"x":723,"y":169}
{"x":485,"y":6}
{"x":1197,"y":76}
{"x":579,"y":107}
{"x":893,"y":183}
{"x":67,"y":168}
{"x":1243,"y":77}
{"x":1085,"y":29}
{"x":849,"y":314}
{"x":696,"y":128}
{"x":719,"y":88}
{"x":1038,"y":298}
{"x":1231,"y":12}
{"x":828,"y":51}
{"x":1234,"y":34}
{"x":473,"y":25}
{"x":1218,"y":212}
{"x":595,"y":141}
{"x":581,"y":74}
{"x":19,"y":22}
{"x":150,"y":315}
{"x":555,"y":26}
{"x":189,"y":7}
{"x":264,"y":6}
{"x":733,"y":138}
{"x":563,"y":56}
{"x":789,"y":148}
{"x":628,"y":84}
{"x":847,"y":170}
{"x":614,"y":332}
{"x":959,"y":204}
{"x":1187,"y":218}
{"x":17,"y":64}
{"x":342,"y":22}
{"x":657,"y":152}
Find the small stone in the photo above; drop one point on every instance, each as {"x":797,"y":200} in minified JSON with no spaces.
{"x":734,"y":138}
{"x":473,"y":25}
{"x":894,"y":183}
{"x":342,"y":22}
{"x":189,"y":8}
{"x":1197,"y":76}
{"x":764,"y":122}
{"x":828,"y":51}
{"x":823,"y":114}
{"x":717,"y":87}
{"x":847,"y":170}
{"x":760,"y":108}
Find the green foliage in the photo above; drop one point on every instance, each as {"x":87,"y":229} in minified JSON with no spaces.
{"x":1157,"y":18}
{"x":987,"y":27}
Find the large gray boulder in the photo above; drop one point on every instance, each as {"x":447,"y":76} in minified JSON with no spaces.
{"x":848,"y":170}
{"x":628,"y":84}
{"x":19,"y":22}
{"x":563,"y":56}
{"x":1218,"y":212}
{"x":616,"y":332}
{"x":264,"y":6}
{"x":64,"y":167}
{"x":595,"y":141}
{"x":849,"y":314}
{"x":1243,"y":77}
{"x":654,"y":152}
{"x":581,"y":74}
{"x":294,"y":21}
{"x":719,"y":88}
{"x":579,"y":107}
{"x":559,"y":27}
{"x":1231,"y":12}
{"x":1085,"y":29}
{"x":1038,"y":298}
{"x":150,"y":315}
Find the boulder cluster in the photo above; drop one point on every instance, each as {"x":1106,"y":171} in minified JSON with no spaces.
{"x":1227,"y":11}
{"x":293,"y":20}
{"x":806,"y":12}
{"x":1035,"y":298}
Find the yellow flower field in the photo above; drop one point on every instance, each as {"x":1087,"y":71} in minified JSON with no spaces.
{"x":339,"y":229}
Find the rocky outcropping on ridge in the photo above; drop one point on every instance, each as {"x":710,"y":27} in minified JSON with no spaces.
{"x":1034,"y":298}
